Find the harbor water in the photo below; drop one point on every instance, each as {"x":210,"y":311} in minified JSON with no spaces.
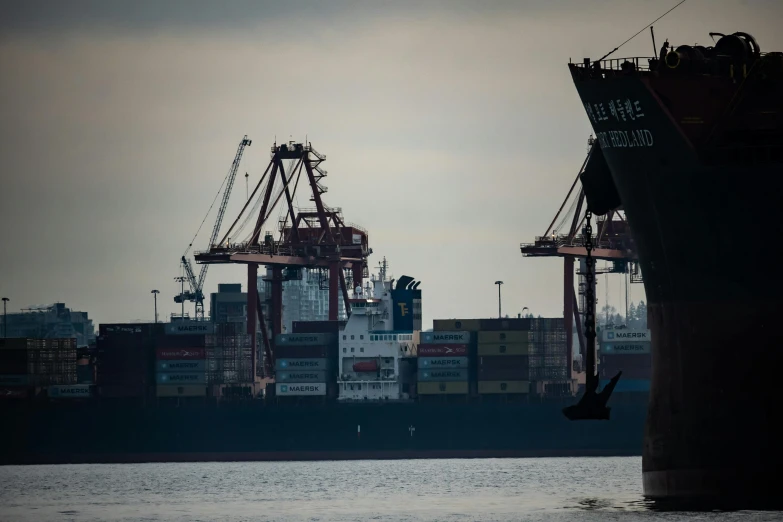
{"x":544,"y":489}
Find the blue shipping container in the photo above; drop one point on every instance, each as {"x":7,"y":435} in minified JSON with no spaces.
{"x":629,"y":385}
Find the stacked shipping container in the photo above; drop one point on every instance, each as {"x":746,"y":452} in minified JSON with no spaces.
{"x":444,"y":363}
{"x":14,"y":379}
{"x":513,"y":353}
{"x":26,"y":364}
{"x":628,"y":351}
{"x":180,"y":365}
{"x":125,"y":364}
{"x":302,"y":364}
{"x":229,"y":355}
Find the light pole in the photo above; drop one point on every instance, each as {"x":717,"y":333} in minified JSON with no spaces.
{"x":523,"y":310}
{"x":499,"y":283}
{"x":155,"y":296}
{"x":5,"y":318}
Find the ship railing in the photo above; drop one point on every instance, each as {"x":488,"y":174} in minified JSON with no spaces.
{"x":640,"y":63}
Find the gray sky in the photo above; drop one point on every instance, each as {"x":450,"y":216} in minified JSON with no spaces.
{"x":452,"y":132}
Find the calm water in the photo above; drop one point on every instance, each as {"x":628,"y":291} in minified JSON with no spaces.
{"x":588,"y":489}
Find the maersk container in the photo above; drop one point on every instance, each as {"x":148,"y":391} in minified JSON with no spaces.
{"x":442,"y":362}
{"x":189,"y":328}
{"x":14,"y":393}
{"x":490,"y":387}
{"x":75,"y":391}
{"x":505,"y":349}
{"x":442,"y":375}
{"x":445,"y":337}
{"x":181,"y":378}
{"x":442,"y":388}
{"x":301,"y":352}
{"x":300,"y":376}
{"x":308,"y":339}
{"x":302,"y":364}
{"x":303,"y":389}
{"x":444,"y":325}
{"x":628,"y":385}
{"x":181,"y":391}
{"x":186,"y":366}
{"x":442,"y":350}
{"x":502,"y":336}
{"x":179,"y":354}
{"x":629,"y":348}
{"x":626,"y":336}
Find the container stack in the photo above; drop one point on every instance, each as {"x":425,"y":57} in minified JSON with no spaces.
{"x":125,"y":360}
{"x":51,"y":361}
{"x":517,"y":356}
{"x":180,"y":365}
{"x":229,"y":355}
{"x":14,"y":379}
{"x":628,"y":351}
{"x":503,"y":362}
{"x":444,"y":363}
{"x":303,"y":365}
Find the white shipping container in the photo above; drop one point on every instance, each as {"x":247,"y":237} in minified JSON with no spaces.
{"x":445,"y":337}
{"x":316,"y":388}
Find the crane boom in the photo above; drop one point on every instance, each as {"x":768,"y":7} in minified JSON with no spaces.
{"x":232,"y":174}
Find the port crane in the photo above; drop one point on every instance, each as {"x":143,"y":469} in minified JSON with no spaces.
{"x":316,"y":238}
{"x":196,"y":294}
{"x":611,"y":241}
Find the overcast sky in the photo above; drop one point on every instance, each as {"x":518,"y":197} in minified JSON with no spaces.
{"x":452,"y":132}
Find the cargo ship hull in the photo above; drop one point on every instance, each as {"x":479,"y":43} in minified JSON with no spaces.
{"x":253,"y":431}
{"x":701,"y":225}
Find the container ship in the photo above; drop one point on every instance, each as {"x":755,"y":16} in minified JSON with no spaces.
{"x":374,"y":386}
{"x":690,"y":144}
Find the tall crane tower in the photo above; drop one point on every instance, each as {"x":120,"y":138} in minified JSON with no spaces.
{"x":196,"y":293}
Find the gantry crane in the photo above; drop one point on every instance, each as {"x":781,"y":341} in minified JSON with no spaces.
{"x":612,"y":242}
{"x":308,"y":238}
{"x":196,"y":293}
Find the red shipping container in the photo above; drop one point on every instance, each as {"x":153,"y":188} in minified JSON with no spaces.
{"x":445,"y":350}
{"x":504,"y":374}
{"x":178,"y":354}
{"x":300,"y":352}
{"x":491,"y":362}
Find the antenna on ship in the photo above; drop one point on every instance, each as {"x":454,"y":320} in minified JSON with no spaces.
{"x":640,"y":31}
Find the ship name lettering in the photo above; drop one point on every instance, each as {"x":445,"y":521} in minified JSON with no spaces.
{"x":622,"y":139}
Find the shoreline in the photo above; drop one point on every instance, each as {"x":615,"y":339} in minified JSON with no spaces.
{"x":301,"y":456}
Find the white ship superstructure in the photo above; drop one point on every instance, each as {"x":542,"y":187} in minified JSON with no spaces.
{"x":371,"y":349}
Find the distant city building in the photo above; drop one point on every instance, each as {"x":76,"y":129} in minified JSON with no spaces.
{"x":52,"y":322}
{"x":305,"y":297}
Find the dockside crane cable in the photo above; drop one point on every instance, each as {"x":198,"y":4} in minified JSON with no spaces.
{"x":641,"y":30}
{"x":207,"y":215}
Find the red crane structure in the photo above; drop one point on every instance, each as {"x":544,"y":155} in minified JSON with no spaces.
{"x":612,"y":241}
{"x":307,"y":238}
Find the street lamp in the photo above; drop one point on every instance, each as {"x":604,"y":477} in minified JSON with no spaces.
{"x":5,"y":318}
{"x":523,"y":310}
{"x":155,"y":296}
{"x":499,"y":283}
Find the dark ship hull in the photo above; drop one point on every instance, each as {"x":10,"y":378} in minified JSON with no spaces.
{"x":111,"y":431}
{"x":695,"y":157}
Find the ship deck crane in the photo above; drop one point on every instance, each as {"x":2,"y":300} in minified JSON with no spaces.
{"x":308,"y":238}
{"x":196,"y":292}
